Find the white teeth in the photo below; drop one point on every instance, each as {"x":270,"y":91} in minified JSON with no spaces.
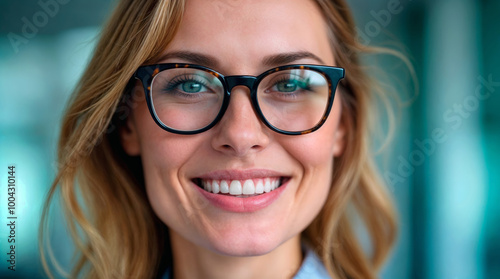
{"x":224,"y":187}
{"x":259,"y":188}
{"x":248,"y":187}
{"x":235,"y":188}
{"x":267,"y":185}
{"x":239,"y":188}
{"x":276,"y":184}
{"x":215,"y":187}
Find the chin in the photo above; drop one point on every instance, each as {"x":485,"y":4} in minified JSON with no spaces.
{"x":244,"y":245}
{"x":243,"y":248}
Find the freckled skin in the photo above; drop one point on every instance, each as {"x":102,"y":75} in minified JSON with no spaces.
{"x":239,"y":34}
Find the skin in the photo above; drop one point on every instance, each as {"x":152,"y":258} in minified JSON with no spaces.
{"x":208,"y":242}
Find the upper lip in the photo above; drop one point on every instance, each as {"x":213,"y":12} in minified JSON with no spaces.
{"x":240,"y":174}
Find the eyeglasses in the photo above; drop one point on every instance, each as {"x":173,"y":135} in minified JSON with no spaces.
{"x":190,"y":99}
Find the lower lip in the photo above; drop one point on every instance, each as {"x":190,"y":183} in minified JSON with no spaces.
{"x":243,"y":205}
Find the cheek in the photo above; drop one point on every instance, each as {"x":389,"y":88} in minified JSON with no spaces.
{"x":159,"y":149}
{"x":312,"y":152}
{"x":164,"y":158}
{"x":317,"y":149}
{"x":315,"y":153}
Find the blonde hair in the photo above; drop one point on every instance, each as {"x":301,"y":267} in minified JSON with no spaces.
{"x":115,"y":231}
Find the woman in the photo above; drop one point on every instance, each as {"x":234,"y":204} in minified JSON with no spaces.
{"x":201,"y":153}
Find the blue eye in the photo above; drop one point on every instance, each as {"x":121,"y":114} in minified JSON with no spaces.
{"x":192,"y":86}
{"x":187,"y":85}
{"x":287,"y":85}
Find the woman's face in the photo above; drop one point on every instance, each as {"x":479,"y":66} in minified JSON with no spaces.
{"x":240,"y":38}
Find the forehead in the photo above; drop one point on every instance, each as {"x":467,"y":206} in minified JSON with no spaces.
{"x":240,"y":33}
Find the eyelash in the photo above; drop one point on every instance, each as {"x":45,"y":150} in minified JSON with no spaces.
{"x":284,"y":79}
{"x":171,"y":87}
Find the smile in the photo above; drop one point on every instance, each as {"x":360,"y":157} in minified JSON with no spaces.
{"x":242,"y":191}
{"x":240,"y":188}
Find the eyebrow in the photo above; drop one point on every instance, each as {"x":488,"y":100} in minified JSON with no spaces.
{"x":289,"y":57}
{"x":270,"y":60}
{"x":192,"y":57}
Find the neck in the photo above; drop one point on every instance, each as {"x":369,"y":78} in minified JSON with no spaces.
{"x":193,"y":261}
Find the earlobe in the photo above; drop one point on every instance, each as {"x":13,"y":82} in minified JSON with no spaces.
{"x":129,"y":137}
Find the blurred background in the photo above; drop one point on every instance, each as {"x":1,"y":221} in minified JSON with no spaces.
{"x":444,"y":163}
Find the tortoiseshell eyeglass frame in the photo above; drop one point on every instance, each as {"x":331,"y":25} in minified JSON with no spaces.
{"x":332,"y":75}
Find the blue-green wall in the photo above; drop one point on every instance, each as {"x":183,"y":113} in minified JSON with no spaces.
{"x":446,"y":186}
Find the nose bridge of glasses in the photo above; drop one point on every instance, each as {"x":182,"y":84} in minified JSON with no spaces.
{"x":233,"y":81}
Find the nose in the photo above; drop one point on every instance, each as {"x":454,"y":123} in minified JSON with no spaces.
{"x":240,"y":132}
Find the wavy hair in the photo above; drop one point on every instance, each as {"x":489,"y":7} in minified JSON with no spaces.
{"x":115,"y":231}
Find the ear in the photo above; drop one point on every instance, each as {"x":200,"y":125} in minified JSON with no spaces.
{"x":129,"y":137}
{"x":340,"y":138}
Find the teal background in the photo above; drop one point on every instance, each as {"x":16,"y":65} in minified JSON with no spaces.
{"x":443,"y":165}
